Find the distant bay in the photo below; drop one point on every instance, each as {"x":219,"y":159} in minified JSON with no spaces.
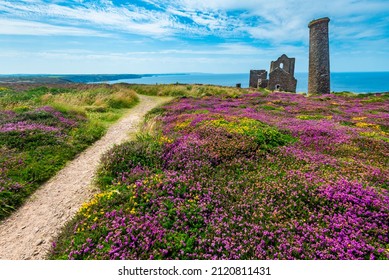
{"x":358,"y":82}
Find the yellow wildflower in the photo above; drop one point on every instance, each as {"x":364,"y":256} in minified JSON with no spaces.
{"x":371,"y":125}
{"x":182,"y":125}
{"x":358,"y":118}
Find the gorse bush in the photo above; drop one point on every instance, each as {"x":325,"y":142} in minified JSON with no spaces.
{"x":42,"y":128}
{"x":227,"y":178}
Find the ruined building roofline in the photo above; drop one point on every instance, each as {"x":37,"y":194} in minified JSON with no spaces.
{"x":317,"y":21}
{"x":262,"y":70}
{"x":281,"y":76}
{"x":279,"y":68}
{"x":284,"y":56}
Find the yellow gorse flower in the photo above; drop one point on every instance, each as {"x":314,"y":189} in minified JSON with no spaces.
{"x":370,"y":125}
{"x":236,"y":125}
{"x":87,"y":206}
{"x":163,"y":139}
{"x":358,"y":118}
{"x":182,"y":125}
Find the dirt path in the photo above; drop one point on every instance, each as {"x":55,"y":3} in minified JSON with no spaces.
{"x":28,"y":233}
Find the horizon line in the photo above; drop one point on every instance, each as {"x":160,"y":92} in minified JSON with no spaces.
{"x":171,"y":73}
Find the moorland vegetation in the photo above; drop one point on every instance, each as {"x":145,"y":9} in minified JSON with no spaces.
{"x":41,"y":128}
{"x":228,"y":174}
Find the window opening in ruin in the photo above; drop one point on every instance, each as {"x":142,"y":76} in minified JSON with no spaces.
{"x":259,"y":82}
{"x":281,"y":65}
{"x":277,"y":87}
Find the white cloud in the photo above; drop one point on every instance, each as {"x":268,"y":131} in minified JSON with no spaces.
{"x":226,"y":50}
{"x":285,"y":20}
{"x":24,"y":27}
{"x":64,"y":62}
{"x":253,"y":31}
{"x":137,"y":20}
{"x":274,"y":21}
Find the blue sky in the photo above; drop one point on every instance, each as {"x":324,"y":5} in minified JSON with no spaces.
{"x":159,"y":36}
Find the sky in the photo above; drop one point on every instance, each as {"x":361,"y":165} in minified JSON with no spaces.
{"x":181,"y":36}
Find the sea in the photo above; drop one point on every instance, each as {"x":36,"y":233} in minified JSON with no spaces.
{"x":357,"y":82}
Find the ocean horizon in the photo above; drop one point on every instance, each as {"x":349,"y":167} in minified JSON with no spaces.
{"x":358,"y":82}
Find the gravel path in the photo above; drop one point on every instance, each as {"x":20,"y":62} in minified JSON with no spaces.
{"x":28,"y":233}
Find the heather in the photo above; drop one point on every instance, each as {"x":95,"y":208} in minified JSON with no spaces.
{"x":244,"y":176}
{"x":41,"y":128}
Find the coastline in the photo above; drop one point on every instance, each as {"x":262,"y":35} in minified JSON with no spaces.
{"x":356,"y":82}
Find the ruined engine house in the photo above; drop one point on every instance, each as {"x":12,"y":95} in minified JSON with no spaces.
{"x":281,"y":76}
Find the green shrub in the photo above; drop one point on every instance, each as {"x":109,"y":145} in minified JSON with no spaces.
{"x":154,"y":113}
{"x":144,"y":152}
{"x":45,"y":127}
{"x":119,"y":102}
{"x":87,"y":133}
{"x":27,"y":140}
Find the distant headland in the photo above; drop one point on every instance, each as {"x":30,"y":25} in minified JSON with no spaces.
{"x":65,"y":79}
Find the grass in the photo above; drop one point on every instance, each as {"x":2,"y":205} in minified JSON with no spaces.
{"x":180,"y":90}
{"x":41,"y":128}
{"x":224,"y":176}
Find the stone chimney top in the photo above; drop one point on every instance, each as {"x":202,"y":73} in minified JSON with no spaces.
{"x":317,"y":21}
